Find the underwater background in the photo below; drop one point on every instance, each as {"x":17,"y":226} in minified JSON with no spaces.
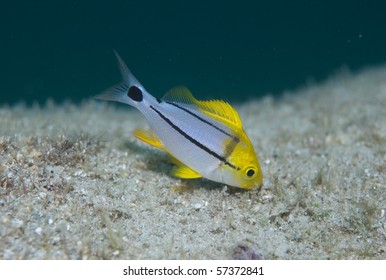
{"x":307,"y":78}
{"x":233,"y":50}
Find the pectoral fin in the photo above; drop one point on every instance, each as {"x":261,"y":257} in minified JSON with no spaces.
{"x":148,"y":136}
{"x":183,"y":171}
{"x":180,"y":170}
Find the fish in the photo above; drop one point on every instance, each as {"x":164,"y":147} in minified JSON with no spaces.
{"x":205,"y":139}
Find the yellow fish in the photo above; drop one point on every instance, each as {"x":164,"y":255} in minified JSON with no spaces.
{"x":204,"y":138}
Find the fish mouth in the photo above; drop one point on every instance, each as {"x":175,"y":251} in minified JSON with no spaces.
{"x":258,"y":186}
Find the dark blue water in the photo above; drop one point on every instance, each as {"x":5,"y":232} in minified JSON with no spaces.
{"x":235,"y":50}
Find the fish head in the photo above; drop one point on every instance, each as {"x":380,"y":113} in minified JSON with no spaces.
{"x":248,"y":173}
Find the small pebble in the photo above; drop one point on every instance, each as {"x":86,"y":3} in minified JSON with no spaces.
{"x":116,"y":253}
{"x":42,"y":195}
{"x":197,"y":206}
{"x":243,"y":252}
{"x":38,"y":230}
{"x":266,"y":198}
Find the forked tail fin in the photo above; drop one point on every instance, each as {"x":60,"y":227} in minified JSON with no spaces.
{"x":128,"y":91}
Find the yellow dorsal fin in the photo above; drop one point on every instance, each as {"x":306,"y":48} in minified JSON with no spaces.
{"x":148,"y":136}
{"x":182,"y":171}
{"x":217,"y":109}
{"x":221,"y":111}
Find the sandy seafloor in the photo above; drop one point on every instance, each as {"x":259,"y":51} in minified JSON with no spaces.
{"x":75,"y":184}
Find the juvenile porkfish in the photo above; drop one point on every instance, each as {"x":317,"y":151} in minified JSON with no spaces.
{"x":204,"y":138}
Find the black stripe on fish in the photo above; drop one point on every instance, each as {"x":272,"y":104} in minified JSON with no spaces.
{"x":236,"y":139}
{"x":194,"y":141}
{"x":135,"y":94}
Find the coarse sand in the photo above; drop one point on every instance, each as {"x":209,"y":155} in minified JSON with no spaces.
{"x":75,"y":183}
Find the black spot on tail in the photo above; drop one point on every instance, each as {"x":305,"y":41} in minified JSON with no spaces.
{"x":135,"y":94}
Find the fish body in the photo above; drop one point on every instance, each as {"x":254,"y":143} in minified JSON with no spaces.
{"x":203,"y":138}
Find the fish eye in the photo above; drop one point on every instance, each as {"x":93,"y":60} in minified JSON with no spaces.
{"x":250,"y":172}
